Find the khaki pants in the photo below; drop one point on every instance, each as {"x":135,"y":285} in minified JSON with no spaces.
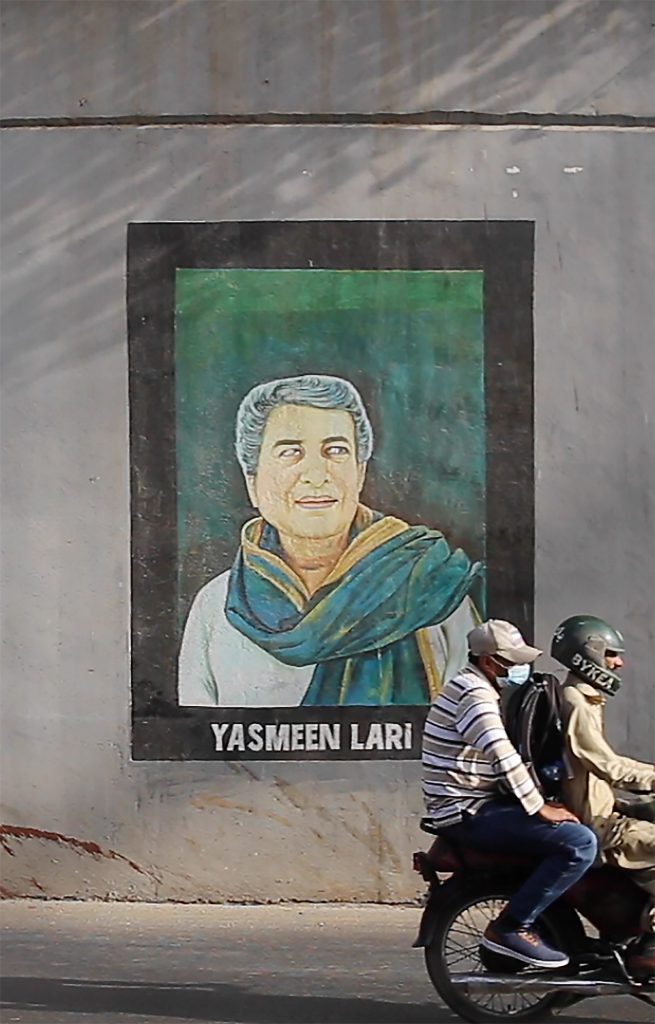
{"x":631,"y":845}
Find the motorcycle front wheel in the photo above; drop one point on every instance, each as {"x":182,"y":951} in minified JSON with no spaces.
{"x":461,"y":918}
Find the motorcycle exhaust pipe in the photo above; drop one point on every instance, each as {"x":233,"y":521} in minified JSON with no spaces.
{"x":481,"y":983}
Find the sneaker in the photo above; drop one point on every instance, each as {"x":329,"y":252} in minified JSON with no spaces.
{"x":522,"y":944}
{"x":641,"y":962}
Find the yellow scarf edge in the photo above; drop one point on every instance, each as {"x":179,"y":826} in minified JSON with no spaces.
{"x":371,"y":537}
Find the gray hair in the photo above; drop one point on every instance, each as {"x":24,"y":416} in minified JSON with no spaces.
{"x":316,"y":390}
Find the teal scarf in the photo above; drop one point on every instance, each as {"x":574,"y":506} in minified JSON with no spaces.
{"x":360,"y":628}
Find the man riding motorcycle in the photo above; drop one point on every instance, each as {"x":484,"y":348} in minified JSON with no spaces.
{"x":593,"y":652}
{"x":467,"y":759}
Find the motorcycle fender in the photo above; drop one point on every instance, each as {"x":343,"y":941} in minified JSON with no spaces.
{"x":429,"y":916}
{"x":426,"y":929}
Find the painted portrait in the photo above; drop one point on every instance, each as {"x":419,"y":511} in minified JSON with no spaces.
{"x":332,"y":477}
{"x":328,"y":602}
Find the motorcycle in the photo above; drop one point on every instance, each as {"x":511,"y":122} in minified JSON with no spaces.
{"x":482,"y":986}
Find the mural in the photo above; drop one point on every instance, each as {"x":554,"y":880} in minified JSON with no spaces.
{"x":313,"y":525}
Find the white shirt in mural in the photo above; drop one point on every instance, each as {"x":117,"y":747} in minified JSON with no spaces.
{"x":218,"y":666}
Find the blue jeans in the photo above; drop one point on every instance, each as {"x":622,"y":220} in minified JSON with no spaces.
{"x":566,"y":850}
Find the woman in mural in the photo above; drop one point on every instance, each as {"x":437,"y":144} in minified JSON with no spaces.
{"x":328,"y":602}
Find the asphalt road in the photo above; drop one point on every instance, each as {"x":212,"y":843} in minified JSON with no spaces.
{"x":139,"y":963}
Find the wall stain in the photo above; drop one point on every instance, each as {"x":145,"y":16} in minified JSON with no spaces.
{"x":16,"y":832}
{"x":386,"y":849}
{"x":204,"y":801}
{"x":242,"y":769}
{"x":291,"y":793}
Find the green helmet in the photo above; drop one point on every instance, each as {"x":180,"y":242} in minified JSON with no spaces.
{"x":580,"y":644}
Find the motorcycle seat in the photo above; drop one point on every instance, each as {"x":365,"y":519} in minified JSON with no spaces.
{"x":444,"y":856}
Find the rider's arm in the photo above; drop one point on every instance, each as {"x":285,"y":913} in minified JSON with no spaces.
{"x":479,"y":723}
{"x":588,"y":745}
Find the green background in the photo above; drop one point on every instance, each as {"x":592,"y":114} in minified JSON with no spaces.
{"x":411,"y":342}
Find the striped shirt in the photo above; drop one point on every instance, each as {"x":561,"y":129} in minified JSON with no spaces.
{"x":467,"y":753}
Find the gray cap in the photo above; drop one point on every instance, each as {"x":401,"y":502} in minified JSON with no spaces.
{"x":502,"y":638}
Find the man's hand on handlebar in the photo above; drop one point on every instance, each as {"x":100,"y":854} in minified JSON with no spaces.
{"x":554,"y":813}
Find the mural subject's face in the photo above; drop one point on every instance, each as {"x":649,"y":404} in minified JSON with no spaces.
{"x":308,"y":480}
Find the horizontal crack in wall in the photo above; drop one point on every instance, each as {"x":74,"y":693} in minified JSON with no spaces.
{"x":419,"y":118}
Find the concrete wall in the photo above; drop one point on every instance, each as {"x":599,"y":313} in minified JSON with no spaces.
{"x":86,"y":820}
{"x":68,"y":57}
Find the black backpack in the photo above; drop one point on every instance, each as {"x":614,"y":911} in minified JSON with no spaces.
{"x":533,"y":718}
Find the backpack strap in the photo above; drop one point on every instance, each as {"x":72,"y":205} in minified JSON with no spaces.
{"x":528,"y":712}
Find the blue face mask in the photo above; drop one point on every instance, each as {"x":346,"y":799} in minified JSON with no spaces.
{"x":516,"y":675}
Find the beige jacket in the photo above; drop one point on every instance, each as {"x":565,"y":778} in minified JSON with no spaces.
{"x":596,"y":768}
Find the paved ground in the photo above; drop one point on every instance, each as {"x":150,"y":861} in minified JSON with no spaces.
{"x":138,"y":963}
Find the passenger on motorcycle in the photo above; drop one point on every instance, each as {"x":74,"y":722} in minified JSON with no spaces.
{"x":478,"y":792}
{"x":593,"y":652}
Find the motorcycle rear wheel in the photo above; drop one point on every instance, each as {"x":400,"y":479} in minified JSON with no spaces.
{"x":461,"y":919}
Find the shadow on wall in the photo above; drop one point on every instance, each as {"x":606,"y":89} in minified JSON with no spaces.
{"x":163,"y":57}
{"x":171,"y":56}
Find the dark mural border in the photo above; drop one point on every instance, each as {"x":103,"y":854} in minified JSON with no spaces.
{"x":503,"y":250}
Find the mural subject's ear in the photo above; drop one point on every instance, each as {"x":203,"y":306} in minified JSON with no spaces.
{"x":252,"y":491}
{"x":361,"y":474}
